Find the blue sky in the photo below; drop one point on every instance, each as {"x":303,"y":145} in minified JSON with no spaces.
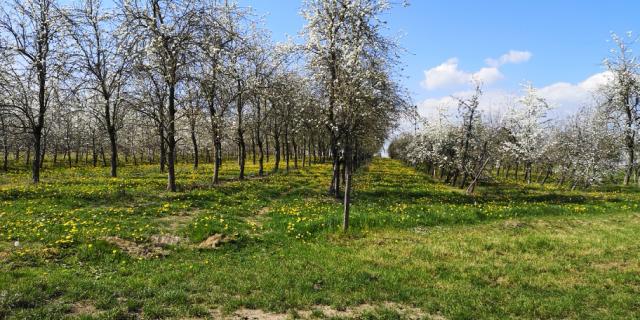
{"x":565,"y":42}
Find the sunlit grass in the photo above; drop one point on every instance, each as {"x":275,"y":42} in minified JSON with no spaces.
{"x":506,"y":252}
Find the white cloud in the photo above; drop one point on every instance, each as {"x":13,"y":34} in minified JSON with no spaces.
{"x":493,"y":102}
{"x":566,"y":98}
{"x":513,"y":56}
{"x":444,"y":75}
{"x":447,"y":74}
{"x":487,"y":75}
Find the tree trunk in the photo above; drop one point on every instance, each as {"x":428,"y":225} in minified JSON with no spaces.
{"x":546,"y":176}
{"x":93,"y":149}
{"x":295,"y":153}
{"x":335,"y":181}
{"x":630,"y":145}
{"x":217,"y":158}
{"x":242,"y":153}
{"x":35,"y":168}
{"x":55,"y":154}
{"x":267,"y":146}
{"x":474,"y":182}
{"x":5,"y":149}
{"x":27,"y":161}
{"x":194,"y":142}
{"x":347,"y":187}
{"x":253,"y":147}
{"x":104,"y":159}
{"x":44,"y":151}
{"x":464,"y":180}
{"x":304,"y":151}
{"x":113,"y":143}
{"x":260,"y":153}
{"x":163,"y":146}
{"x":171,"y":140}
{"x":286,"y":147}
{"x":276,"y":144}
{"x":5,"y":157}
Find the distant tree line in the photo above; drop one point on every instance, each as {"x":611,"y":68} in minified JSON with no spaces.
{"x":597,"y":144}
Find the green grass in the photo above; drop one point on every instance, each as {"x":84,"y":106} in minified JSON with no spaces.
{"x":510,"y":251}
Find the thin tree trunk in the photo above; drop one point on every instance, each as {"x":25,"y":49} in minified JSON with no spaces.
{"x":630,"y":145}
{"x":546,"y":176}
{"x":113,"y":143}
{"x":473,"y":184}
{"x":35,"y":169}
{"x":286,"y":147}
{"x":253,"y":147}
{"x":295,"y":153}
{"x":260,"y":153}
{"x":267,"y":146}
{"x":217,"y":159}
{"x":347,"y":187}
{"x":93,"y":149}
{"x":28,"y":159}
{"x":276,"y":145}
{"x":194,"y":142}
{"x":163,"y":147}
{"x":171,"y":140}
{"x":44,"y":151}
{"x":104,"y":159}
{"x":242,"y":153}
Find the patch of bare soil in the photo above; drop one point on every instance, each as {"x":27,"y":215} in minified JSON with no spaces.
{"x":406,"y":312}
{"x":264,"y":211}
{"x":215,"y":241}
{"x":514,"y":224}
{"x":251,"y":314}
{"x":83,"y":308}
{"x":164,"y":240}
{"x":4,"y":255}
{"x":135,"y":249}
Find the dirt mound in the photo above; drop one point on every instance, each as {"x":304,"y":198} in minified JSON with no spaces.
{"x":135,"y":249}
{"x":164,"y":240}
{"x":83,"y":309}
{"x":215,"y":241}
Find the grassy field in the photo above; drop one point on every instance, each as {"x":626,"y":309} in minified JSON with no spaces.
{"x":92,"y":247}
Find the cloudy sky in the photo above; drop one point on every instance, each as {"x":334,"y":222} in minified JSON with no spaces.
{"x":557,"y":46}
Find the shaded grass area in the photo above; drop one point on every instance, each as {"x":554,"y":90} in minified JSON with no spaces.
{"x":507,"y":252}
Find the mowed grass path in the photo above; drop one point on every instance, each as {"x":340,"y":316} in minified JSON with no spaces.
{"x":508,"y":252}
